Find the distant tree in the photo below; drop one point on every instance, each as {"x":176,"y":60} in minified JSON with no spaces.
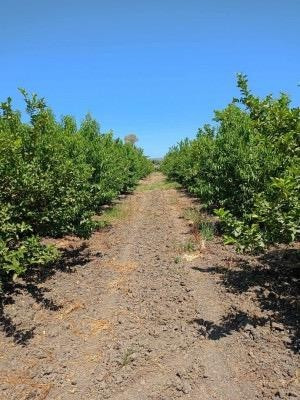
{"x":131,"y":138}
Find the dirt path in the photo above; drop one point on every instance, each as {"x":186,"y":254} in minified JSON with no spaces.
{"x":128,"y":317}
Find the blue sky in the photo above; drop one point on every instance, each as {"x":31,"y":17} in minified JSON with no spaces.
{"x":157,"y":68}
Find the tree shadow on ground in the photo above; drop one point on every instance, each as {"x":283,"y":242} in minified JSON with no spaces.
{"x":230,"y":323}
{"x":275,"y":279}
{"x":31,"y":284}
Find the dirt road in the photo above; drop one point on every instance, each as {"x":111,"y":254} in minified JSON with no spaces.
{"x":140,"y":313}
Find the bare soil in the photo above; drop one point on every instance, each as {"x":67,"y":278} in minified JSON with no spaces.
{"x":138,"y":313}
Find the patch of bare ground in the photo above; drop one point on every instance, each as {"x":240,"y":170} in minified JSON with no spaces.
{"x":149,"y":310}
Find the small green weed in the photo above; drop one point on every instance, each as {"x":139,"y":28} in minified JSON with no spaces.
{"x":202,"y":222}
{"x":127,"y":357}
{"x":187,"y":247}
{"x":192,"y":214}
{"x":207,"y":230}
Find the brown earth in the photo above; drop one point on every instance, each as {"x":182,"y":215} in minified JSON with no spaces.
{"x":147,"y":310}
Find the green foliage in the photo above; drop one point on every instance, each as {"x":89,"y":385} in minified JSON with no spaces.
{"x":19,"y":248}
{"x":53,"y":178}
{"x":247,"y":166}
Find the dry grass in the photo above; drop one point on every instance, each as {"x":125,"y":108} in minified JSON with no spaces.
{"x":164,"y":185}
{"x":21,"y":379}
{"x":71,"y":308}
{"x":120,"y":283}
{"x":123,"y":267}
{"x":91,"y":328}
{"x":118,"y":212}
{"x":99,"y":325}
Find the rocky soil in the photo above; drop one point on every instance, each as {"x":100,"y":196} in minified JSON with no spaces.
{"x":149,"y":310}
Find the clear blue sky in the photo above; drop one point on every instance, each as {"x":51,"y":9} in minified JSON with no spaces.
{"x":157,"y":68}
